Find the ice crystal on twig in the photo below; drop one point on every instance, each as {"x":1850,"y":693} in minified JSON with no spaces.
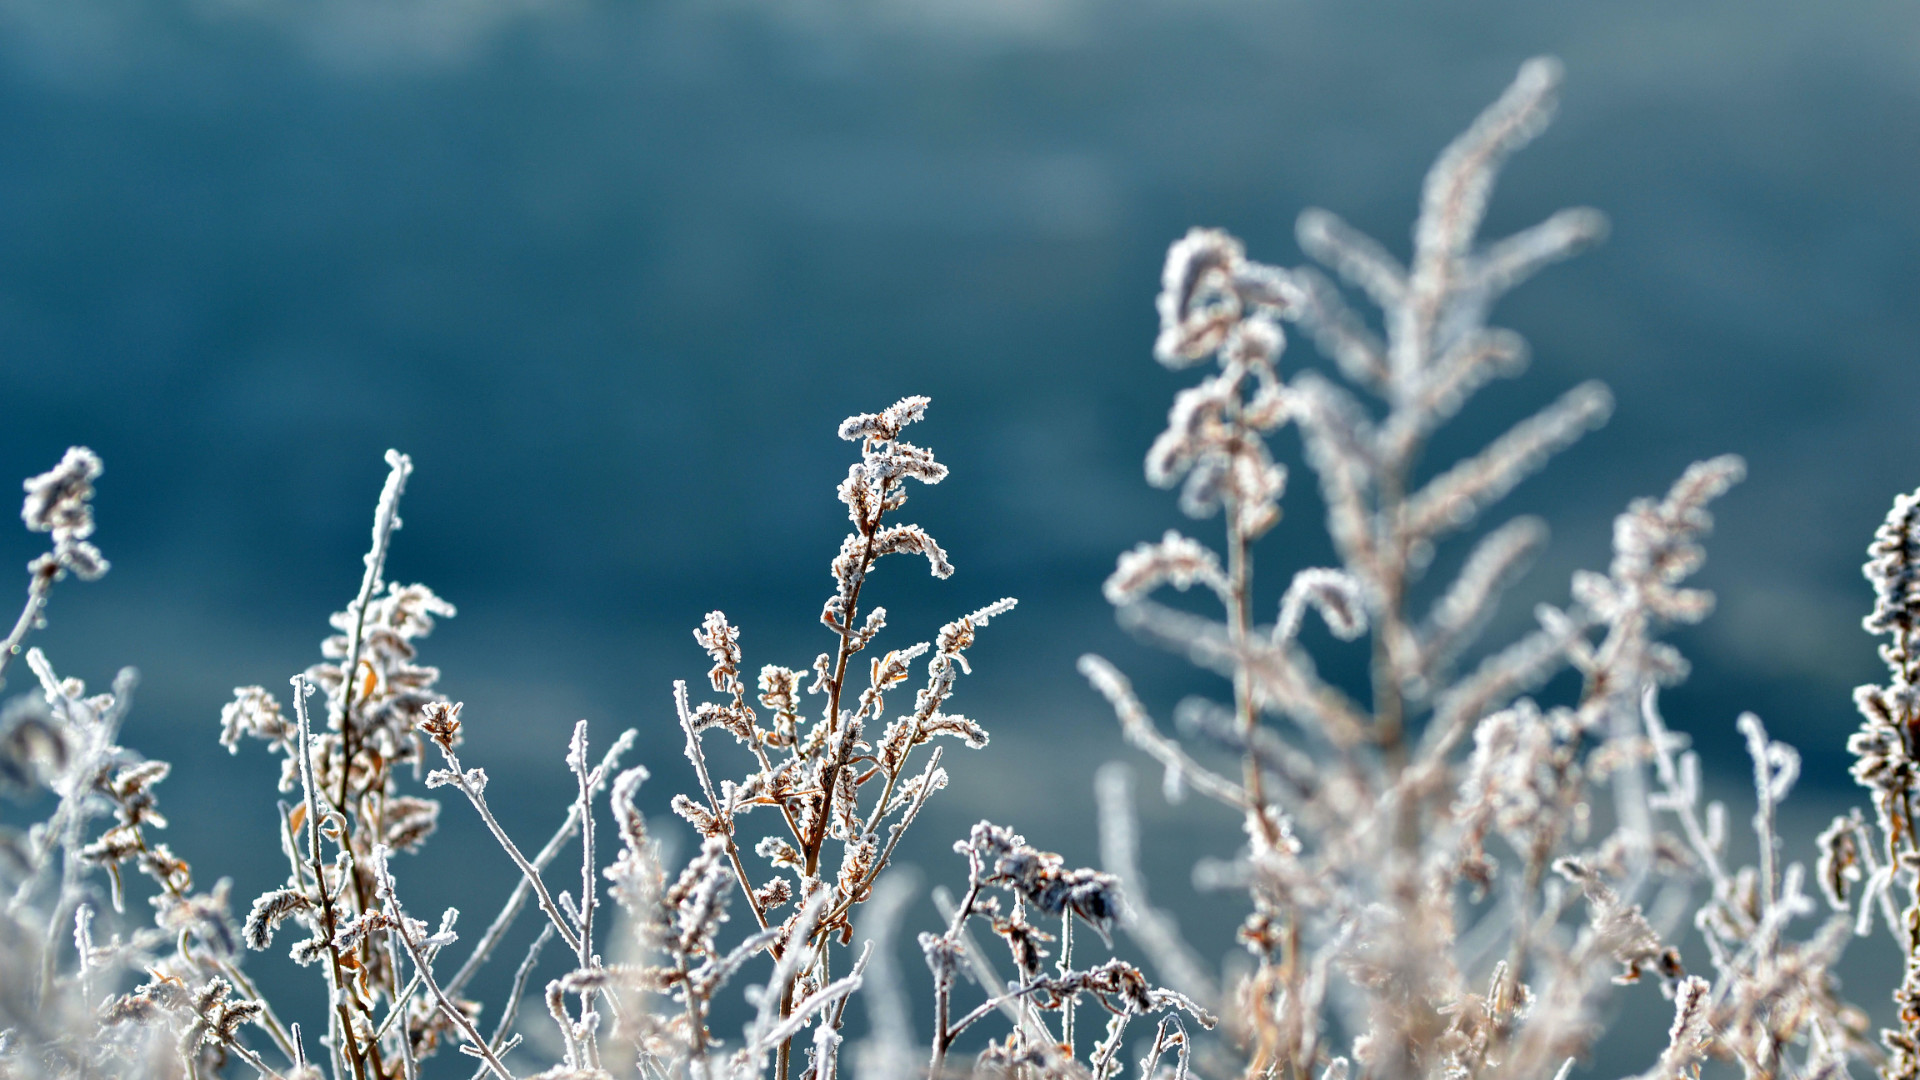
{"x":60,"y":502}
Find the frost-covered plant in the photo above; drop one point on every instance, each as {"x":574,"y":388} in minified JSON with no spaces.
{"x":824,"y":781}
{"x":847,"y":779}
{"x":1387,"y":938}
{"x":1001,"y":858}
{"x":1445,"y":878}
{"x":636,"y":993}
{"x":54,"y":969}
{"x":850,"y":779}
{"x":1860,"y":868}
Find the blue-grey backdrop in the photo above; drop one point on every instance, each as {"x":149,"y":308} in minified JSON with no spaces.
{"x":612,"y":271}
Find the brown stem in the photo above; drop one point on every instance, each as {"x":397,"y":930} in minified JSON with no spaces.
{"x":911,"y":811}
{"x":943,"y":986}
{"x":783,"y":1058}
{"x":740,"y":874}
{"x":328,"y":920}
{"x":1389,"y":705}
{"x":817,"y":836}
{"x":1240,"y":623}
{"x":766,"y":766}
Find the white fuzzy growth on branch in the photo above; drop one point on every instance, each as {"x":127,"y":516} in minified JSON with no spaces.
{"x":1333,"y":593}
{"x":1338,"y":331}
{"x":1454,"y":197}
{"x":1175,"y":560}
{"x":1509,"y":262}
{"x":1454,"y":498}
{"x":1496,"y":562}
{"x":60,"y":501}
{"x":1363,"y":261}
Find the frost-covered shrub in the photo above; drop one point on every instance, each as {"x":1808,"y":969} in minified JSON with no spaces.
{"x":1443,"y":876}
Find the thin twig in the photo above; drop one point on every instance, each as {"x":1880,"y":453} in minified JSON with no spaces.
{"x":400,"y":1002}
{"x":502,"y":922}
{"x":423,"y":965}
{"x":528,"y":873}
{"x":341,"y":1022}
{"x":698,"y":756}
{"x":39,"y":588}
{"x":520,"y":976}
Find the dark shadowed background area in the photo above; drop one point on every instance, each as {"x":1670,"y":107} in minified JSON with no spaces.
{"x":613,"y":271}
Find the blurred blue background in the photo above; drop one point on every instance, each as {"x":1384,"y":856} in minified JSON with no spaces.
{"x":612,"y":271}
